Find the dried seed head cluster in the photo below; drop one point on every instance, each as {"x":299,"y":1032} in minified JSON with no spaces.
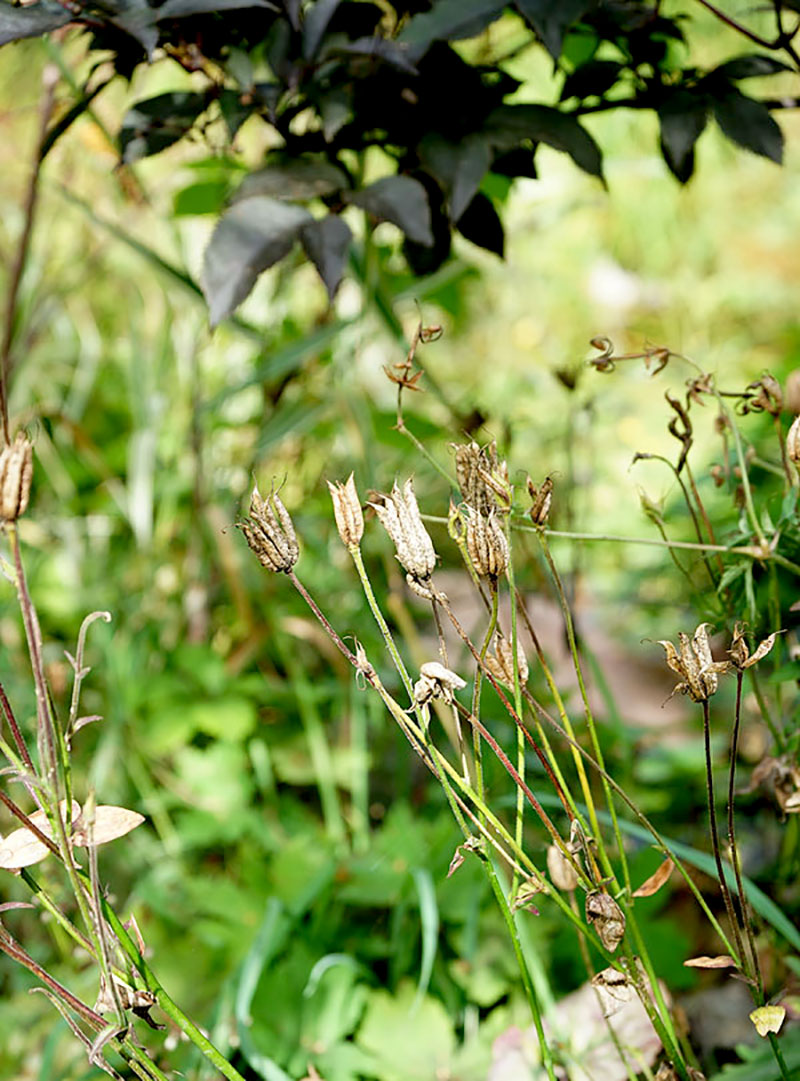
{"x":482,"y":477}
{"x":347,"y":511}
{"x":270,"y":533}
{"x":698,"y":670}
{"x":16,"y":474}
{"x":486,"y":543}
{"x":400,"y":517}
{"x":607,"y":917}
{"x":436,"y":681}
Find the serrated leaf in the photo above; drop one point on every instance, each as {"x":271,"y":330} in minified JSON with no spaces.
{"x":459,"y":167}
{"x":750,"y":124}
{"x":251,"y":236}
{"x":509,"y":124}
{"x":156,"y":123}
{"x":109,"y":824}
{"x":401,"y":200}
{"x":449,"y":20}
{"x":326,"y":243}
{"x":682,"y":118}
{"x":551,"y":20}
{"x":315,"y":24}
{"x":656,"y":880}
{"x":750,"y":66}
{"x":295,"y":180}
{"x":31,"y":21}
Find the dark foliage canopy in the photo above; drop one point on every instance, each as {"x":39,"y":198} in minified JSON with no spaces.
{"x":335,"y":78}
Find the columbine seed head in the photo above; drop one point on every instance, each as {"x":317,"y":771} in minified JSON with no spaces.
{"x":698,"y":670}
{"x":501,"y":663}
{"x":541,"y":498}
{"x":270,"y":533}
{"x":482,"y":477}
{"x":399,"y":515}
{"x":16,"y":474}
{"x":347,"y":511}
{"x":486,"y":544}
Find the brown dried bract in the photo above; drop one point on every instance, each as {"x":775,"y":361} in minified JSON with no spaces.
{"x":781,"y":778}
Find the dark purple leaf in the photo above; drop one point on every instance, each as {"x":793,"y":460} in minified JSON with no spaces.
{"x":682,"y":117}
{"x":459,"y":167}
{"x":31,"y":21}
{"x":326,"y":243}
{"x":510,"y":124}
{"x":481,"y":224}
{"x":750,"y":124}
{"x":402,"y":201}
{"x":551,"y":19}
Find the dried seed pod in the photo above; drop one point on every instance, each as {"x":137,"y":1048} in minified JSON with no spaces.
{"x":562,"y":873}
{"x":482,"y":477}
{"x":608,"y":919}
{"x":780,"y":777}
{"x":694,"y":664}
{"x":16,"y":474}
{"x":793,"y":442}
{"x":541,"y":498}
{"x":501,"y":664}
{"x":399,"y":515}
{"x":270,"y":533}
{"x":666,"y":1072}
{"x":739,"y":652}
{"x":487,"y":546}
{"x":436,"y":681}
{"x":347,"y":511}
{"x":614,"y":989}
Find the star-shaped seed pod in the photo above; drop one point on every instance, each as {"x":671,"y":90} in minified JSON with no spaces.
{"x":399,"y":515}
{"x":739,"y":652}
{"x":270,"y":533}
{"x":693,"y":662}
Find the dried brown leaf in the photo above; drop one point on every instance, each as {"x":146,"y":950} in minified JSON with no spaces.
{"x":722,"y":961}
{"x":109,"y":823}
{"x":656,"y":880}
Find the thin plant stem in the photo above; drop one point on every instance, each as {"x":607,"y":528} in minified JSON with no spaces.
{"x":741,"y":959}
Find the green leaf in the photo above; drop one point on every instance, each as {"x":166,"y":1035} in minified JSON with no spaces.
{"x":682,"y":117}
{"x":551,"y":19}
{"x":228,"y":719}
{"x":251,"y":236}
{"x":450,"y":20}
{"x":429,"y":919}
{"x":749,"y":124}
{"x":750,"y":66}
{"x":508,"y":125}
{"x":205,"y":197}
{"x":459,"y":167}
{"x":402,"y":201}
{"x":315,"y":24}
{"x":31,"y":21}
{"x":156,"y":123}
{"x":481,"y":224}
{"x":591,"y":79}
{"x":408,"y":1043}
{"x":295,"y":181}
{"x":326,"y":244}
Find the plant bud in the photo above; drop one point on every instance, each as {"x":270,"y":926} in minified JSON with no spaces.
{"x":347,"y":511}
{"x":16,"y":474}
{"x":486,"y":544}
{"x":270,"y":533}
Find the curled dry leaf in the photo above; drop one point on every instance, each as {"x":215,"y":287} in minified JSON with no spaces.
{"x":768,"y":1019}
{"x":656,"y":880}
{"x":109,"y":823}
{"x":608,"y":919}
{"x":666,"y":1072}
{"x":22,"y":848}
{"x":722,"y":961}
{"x":472,"y":844}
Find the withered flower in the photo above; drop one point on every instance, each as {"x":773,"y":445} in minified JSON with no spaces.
{"x":347,"y":511}
{"x":605,"y":362}
{"x":695,"y":388}
{"x":766,"y":396}
{"x":608,"y":919}
{"x":270,"y":533}
{"x":436,"y":681}
{"x":739,"y":652}
{"x":501,"y":663}
{"x":781,"y":777}
{"x":16,"y":474}
{"x":487,"y":545}
{"x":698,"y":670}
{"x":400,"y":517}
{"x":541,"y":498}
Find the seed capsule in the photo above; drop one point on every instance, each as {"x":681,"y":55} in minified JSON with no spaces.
{"x":270,"y":533}
{"x":16,"y":474}
{"x":347,"y":511}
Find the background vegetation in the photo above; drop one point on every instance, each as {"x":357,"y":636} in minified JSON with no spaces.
{"x":291,"y":883}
